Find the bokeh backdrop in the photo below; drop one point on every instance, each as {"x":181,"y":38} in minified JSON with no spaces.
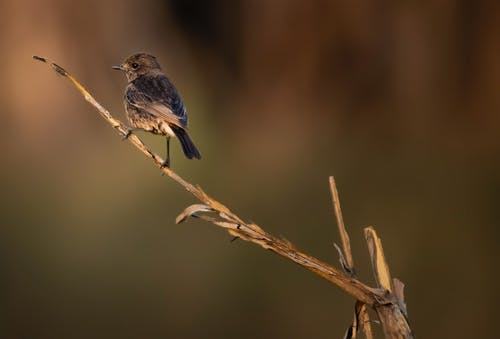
{"x":398,"y":100}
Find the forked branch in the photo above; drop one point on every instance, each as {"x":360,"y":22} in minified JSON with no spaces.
{"x":218,"y":214}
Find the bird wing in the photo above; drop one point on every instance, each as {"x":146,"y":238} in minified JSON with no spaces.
{"x":158,"y":97}
{"x":161,"y":111}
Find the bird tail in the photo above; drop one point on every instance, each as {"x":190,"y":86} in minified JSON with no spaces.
{"x":188,"y":146}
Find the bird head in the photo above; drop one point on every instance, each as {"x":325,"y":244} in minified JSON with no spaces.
{"x":139,"y":64}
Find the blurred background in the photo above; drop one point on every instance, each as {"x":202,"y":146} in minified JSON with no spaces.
{"x":398,"y":100}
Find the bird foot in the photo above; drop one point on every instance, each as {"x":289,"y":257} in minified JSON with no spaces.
{"x":166,"y":164}
{"x":127,"y":134}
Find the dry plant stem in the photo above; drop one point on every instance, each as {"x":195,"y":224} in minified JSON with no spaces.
{"x":361,"y":316}
{"x":344,"y":236}
{"x":364,"y":317}
{"x":392,"y":317}
{"x":379,"y":264}
{"x":361,"y":321}
{"x":373,"y":297}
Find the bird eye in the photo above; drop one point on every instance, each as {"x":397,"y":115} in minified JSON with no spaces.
{"x":135,"y":65}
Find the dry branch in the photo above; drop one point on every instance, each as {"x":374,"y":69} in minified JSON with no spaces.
{"x":393,"y":319}
{"x":211,"y":210}
{"x":344,"y":236}
{"x":361,"y":318}
{"x":380,"y":267}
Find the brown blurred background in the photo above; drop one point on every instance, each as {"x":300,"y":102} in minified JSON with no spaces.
{"x":398,"y":100}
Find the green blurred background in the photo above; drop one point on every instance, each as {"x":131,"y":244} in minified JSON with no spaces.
{"x":398,"y":100}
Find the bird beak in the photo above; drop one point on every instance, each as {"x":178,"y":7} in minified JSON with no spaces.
{"x":119,"y":68}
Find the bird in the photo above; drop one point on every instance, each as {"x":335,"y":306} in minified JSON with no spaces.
{"x":152,"y":103}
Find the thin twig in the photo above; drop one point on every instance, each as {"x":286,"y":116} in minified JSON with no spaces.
{"x":379,"y":264}
{"x":366,"y":322}
{"x":344,"y":236}
{"x":361,"y":317}
{"x":394,"y":318}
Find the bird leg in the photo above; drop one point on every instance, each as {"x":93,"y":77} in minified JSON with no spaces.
{"x":166,"y":163}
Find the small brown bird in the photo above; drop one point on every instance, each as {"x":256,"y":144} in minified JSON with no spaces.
{"x":153,"y":104}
